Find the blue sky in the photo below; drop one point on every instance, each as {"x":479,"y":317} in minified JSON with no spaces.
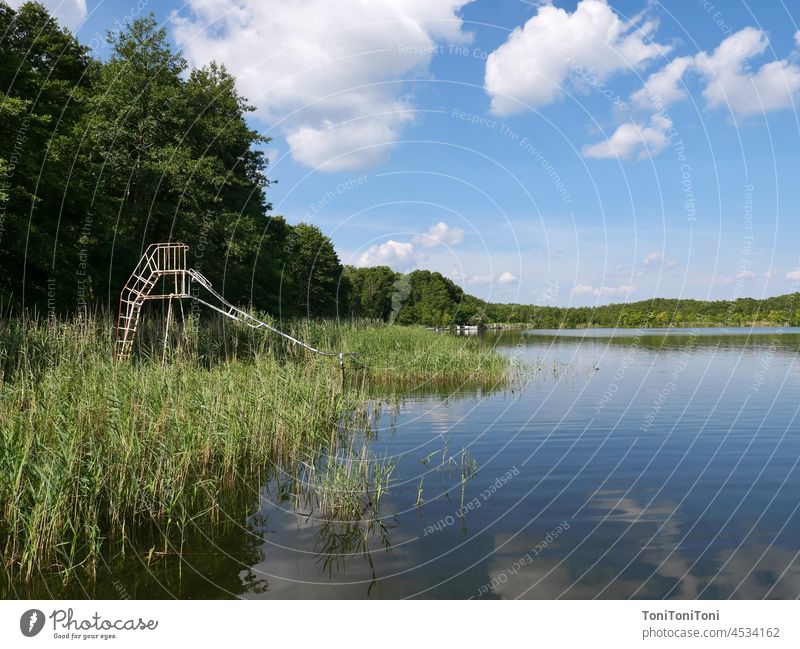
{"x":554,"y":153}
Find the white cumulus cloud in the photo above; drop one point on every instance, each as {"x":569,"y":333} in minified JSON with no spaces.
{"x":480,"y":279}
{"x":554,"y":47}
{"x":353,"y":145}
{"x":741,"y":276}
{"x":729,"y":79}
{"x":730,"y":82}
{"x":633,"y":140}
{"x":793,"y":275}
{"x":327,"y":75}
{"x":392,"y":253}
{"x":652,"y":257}
{"x":440,"y":234}
{"x":664,"y":87}
{"x":603,"y":291}
{"x":402,"y":255}
{"x":504,"y":278}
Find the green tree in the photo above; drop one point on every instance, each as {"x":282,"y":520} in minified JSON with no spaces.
{"x":315,"y":270}
{"x":168,"y":159}
{"x":45,"y":74}
{"x":128,"y":148}
{"x":370,"y":291}
{"x":224,"y":176}
{"x":433,"y":300}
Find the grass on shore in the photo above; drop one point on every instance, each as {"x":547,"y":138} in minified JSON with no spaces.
{"x":94,"y":455}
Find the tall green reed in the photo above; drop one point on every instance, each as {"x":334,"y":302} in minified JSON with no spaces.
{"x":96,"y":456}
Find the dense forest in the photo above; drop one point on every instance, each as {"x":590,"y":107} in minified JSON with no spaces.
{"x":783,"y":310}
{"x":431,"y":299}
{"x":100,"y":158}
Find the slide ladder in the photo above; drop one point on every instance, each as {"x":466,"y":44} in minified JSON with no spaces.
{"x":168,"y":261}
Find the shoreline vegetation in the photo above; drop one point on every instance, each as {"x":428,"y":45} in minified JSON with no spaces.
{"x":98,"y":459}
{"x":432,"y":300}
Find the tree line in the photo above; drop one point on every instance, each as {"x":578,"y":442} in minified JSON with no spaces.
{"x":427,"y":298}
{"x":100,"y":158}
{"x":783,"y":310}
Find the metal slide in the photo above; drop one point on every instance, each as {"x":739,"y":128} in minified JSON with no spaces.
{"x":168,"y":261}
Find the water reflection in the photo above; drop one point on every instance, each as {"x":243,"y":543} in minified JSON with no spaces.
{"x":697,"y":503}
{"x":646,"y":564}
{"x":213,"y":562}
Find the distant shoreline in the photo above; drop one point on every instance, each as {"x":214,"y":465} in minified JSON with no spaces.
{"x":757,"y":325}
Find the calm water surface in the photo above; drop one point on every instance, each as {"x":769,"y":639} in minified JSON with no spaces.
{"x":662,"y":465}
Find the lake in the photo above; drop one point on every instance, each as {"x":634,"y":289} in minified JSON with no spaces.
{"x":644,"y":464}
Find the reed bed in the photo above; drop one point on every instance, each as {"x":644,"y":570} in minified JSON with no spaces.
{"x":95,"y":455}
{"x":411,"y":357}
